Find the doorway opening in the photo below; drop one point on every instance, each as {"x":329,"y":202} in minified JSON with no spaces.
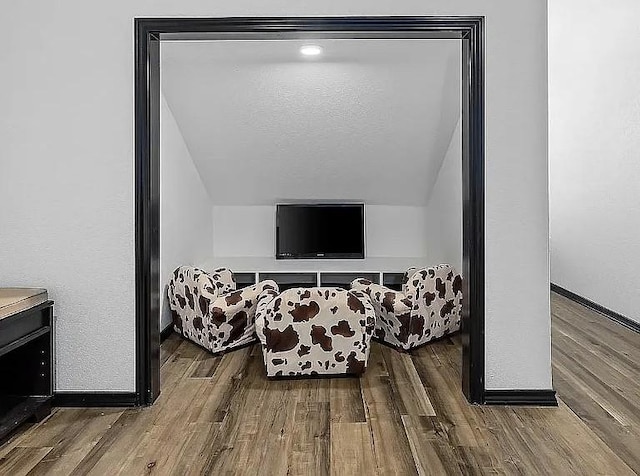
{"x":149,"y":35}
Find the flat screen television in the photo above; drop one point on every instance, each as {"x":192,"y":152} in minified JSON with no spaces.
{"x":320,"y":231}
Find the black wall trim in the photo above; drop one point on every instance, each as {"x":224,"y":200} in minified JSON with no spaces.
{"x":147,"y":212}
{"x":614,"y":316}
{"x":95,"y":399}
{"x":149,"y":32}
{"x":473,"y":263}
{"x":166,"y":332}
{"x":546,"y":398}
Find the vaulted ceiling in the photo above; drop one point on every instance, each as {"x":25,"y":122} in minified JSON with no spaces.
{"x":367,"y":120}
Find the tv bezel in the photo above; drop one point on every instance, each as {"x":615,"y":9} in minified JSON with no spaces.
{"x":325,"y":255}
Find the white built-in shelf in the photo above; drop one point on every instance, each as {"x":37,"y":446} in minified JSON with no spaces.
{"x":271,"y":265}
{"x":316,"y":272}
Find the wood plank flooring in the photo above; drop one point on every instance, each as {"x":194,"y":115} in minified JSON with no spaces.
{"x":596,"y":371}
{"x":406,"y":415}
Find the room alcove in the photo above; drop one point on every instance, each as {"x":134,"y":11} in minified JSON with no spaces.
{"x":150,"y":32}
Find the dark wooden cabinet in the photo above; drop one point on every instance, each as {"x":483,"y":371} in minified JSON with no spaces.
{"x":26,"y":366}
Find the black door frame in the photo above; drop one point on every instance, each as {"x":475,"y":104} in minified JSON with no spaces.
{"x":149,"y":32}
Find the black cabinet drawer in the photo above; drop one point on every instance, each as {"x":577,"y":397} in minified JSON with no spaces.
{"x":26,"y":324}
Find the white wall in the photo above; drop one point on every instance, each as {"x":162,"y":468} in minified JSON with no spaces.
{"x":390,"y":231}
{"x":186,"y":226}
{"x":594,"y":136}
{"x":66,"y":188}
{"x":444,"y":211}
{"x":394,"y":231}
{"x":244,"y":231}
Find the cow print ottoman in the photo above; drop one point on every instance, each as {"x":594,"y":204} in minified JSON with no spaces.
{"x":314,"y":331}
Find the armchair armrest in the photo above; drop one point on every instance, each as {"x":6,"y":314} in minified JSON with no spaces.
{"x":369,"y":310}
{"x":383,"y":298}
{"x":262,"y":310}
{"x":408,"y":274}
{"x":240,"y":304}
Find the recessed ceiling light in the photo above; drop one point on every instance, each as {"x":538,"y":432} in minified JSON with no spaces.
{"x":311,"y":50}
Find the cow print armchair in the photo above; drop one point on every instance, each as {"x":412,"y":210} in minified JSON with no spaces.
{"x":428,"y":307}
{"x":315,"y":331}
{"x":208,"y":310}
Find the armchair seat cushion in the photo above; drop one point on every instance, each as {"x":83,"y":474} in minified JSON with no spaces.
{"x":315,"y":331}
{"x":208,"y":310}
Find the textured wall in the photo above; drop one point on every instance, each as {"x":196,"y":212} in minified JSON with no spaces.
{"x":444,"y":211}
{"x":391,"y":231}
{"x":66,"y":142}
{"x":186,"y":226}
{"x":593,"y":141}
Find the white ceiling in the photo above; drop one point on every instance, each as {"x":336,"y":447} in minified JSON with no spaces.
{"x":368,"y":120}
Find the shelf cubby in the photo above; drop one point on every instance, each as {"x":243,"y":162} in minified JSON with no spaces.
{"x":393,"y":280}
{"x":291,"y":280}
{"x":343,"y":280}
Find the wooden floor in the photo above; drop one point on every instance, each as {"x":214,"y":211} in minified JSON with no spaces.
{"x":405,"y":416}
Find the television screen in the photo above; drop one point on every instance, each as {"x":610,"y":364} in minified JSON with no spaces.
{"x":320,"y":231}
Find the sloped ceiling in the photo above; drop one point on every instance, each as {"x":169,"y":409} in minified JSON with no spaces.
{"x":368,"y":120}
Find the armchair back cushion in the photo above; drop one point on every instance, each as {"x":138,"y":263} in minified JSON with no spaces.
{"x":224,"y":280}
{"x":309,"y":331}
